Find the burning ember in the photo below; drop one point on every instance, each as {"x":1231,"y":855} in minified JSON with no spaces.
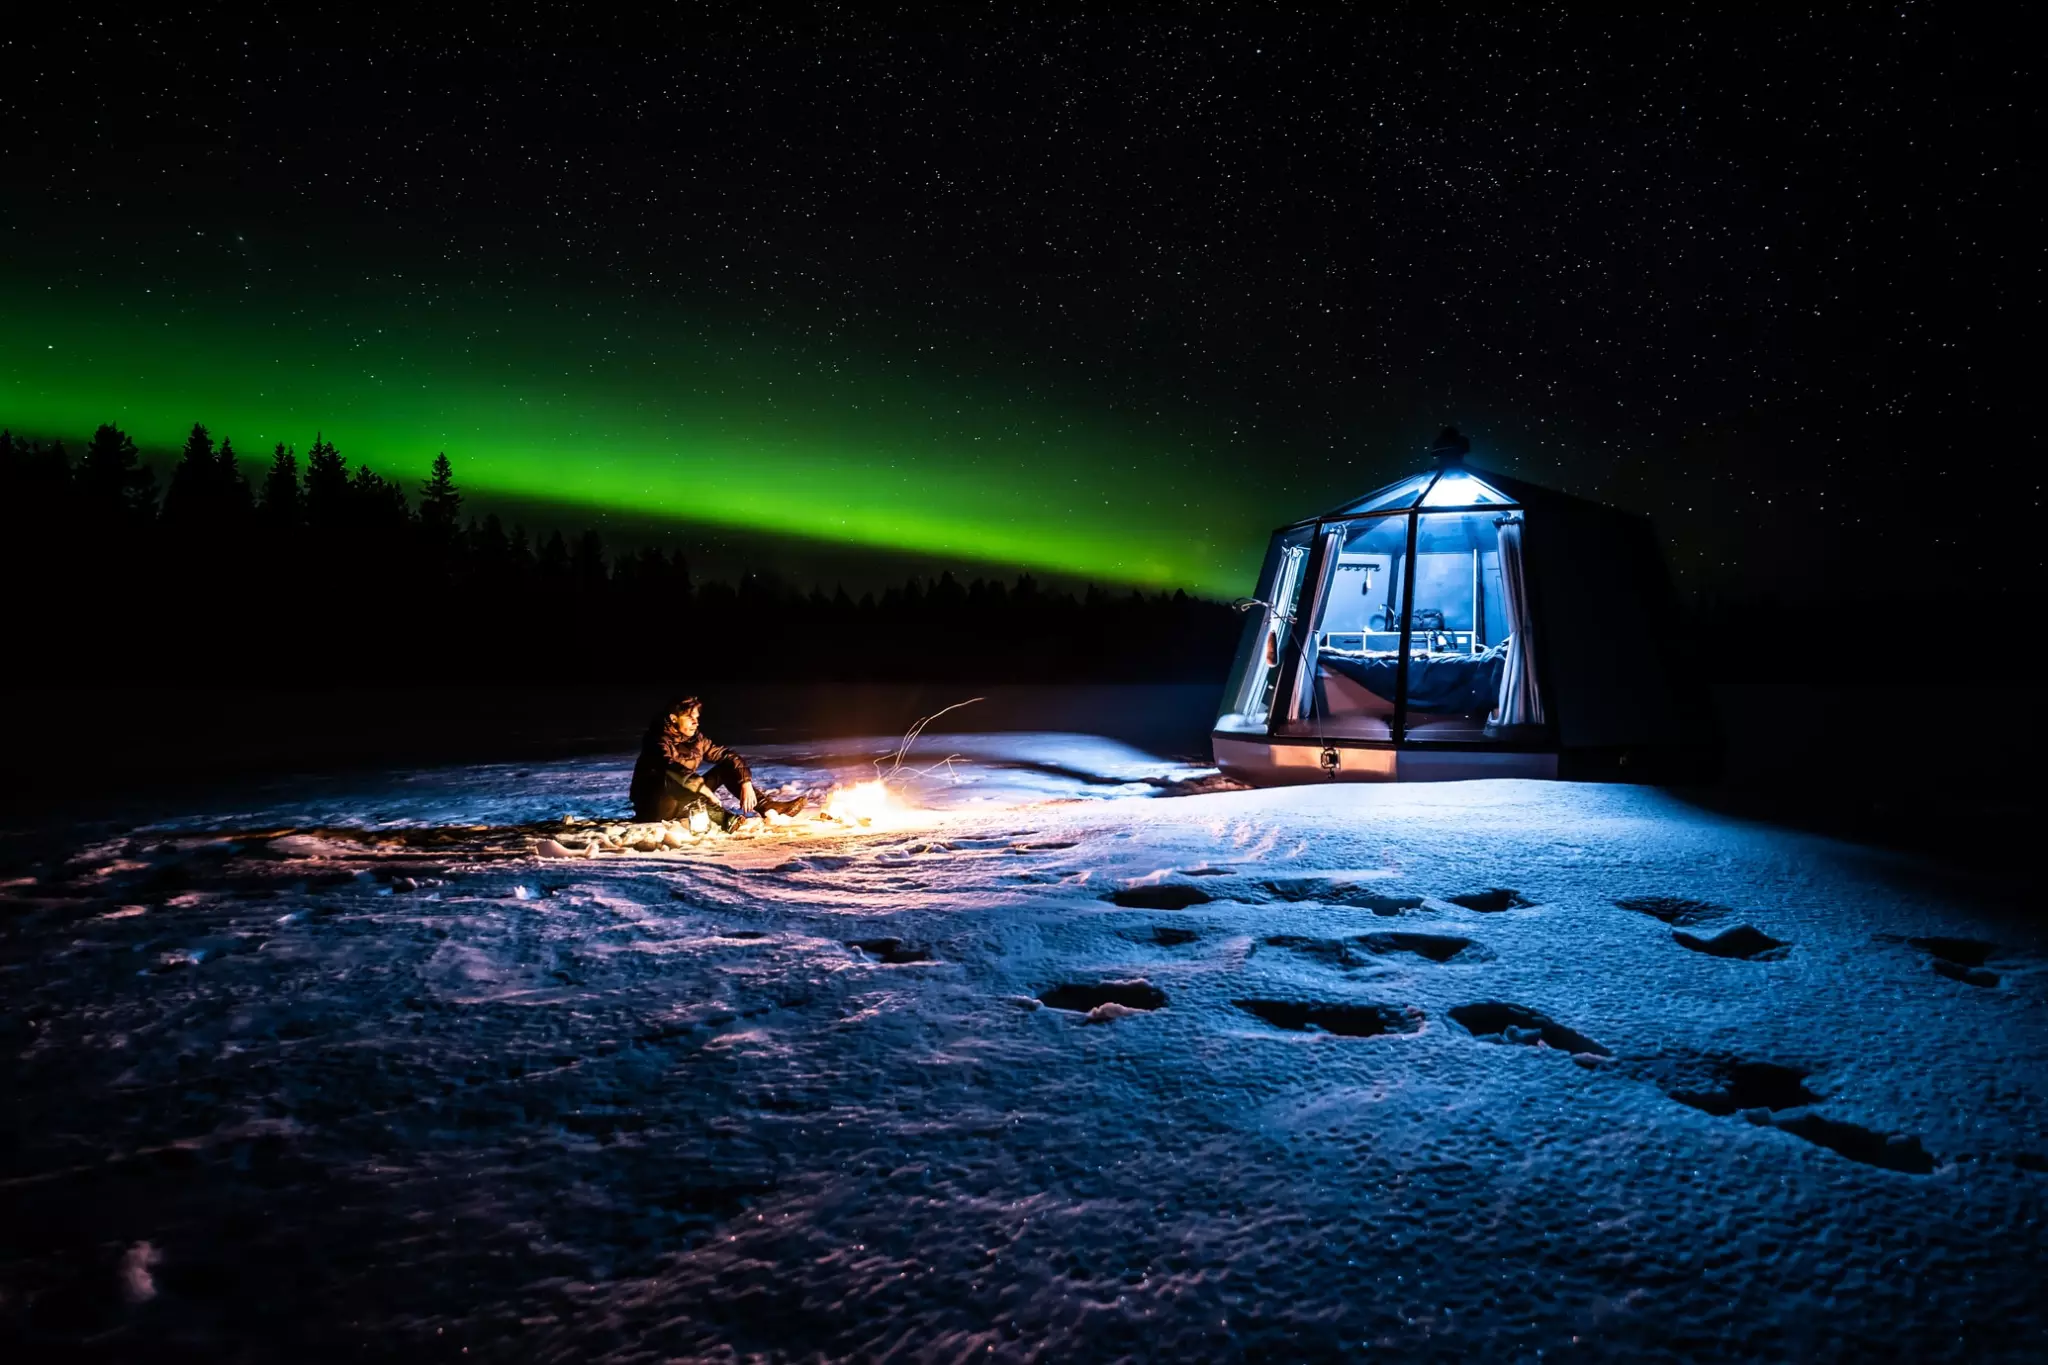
{"x":864,"y":803}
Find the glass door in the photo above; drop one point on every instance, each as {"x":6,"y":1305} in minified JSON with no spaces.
{"x":1249,"y":701}
{"x":1469,"y":675}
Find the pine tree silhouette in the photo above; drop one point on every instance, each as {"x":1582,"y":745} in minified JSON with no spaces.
{"x":553,"y":561}
{"x":111,"y":477}
{"x":230,"y":484}
{"x":521,"y":556}
{"x":281,"y":489}
{"x":376,"y":505}
{"x":440,"y":501}
{"x":192,"y":498}
{"x":326,"y":486}
{"x":37,"y":479}
{"x":589,"y":569}
{"x":492,"y":551}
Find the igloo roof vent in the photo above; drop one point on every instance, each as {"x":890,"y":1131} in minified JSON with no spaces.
{"x":1451,"y":447}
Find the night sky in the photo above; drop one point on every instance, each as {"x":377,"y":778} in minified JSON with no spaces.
{"x":1107,"y":297}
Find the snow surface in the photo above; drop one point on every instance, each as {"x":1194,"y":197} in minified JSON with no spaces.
{"x":1070,"y":1066}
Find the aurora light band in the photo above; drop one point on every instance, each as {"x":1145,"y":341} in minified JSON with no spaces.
{"x":593,"y":402}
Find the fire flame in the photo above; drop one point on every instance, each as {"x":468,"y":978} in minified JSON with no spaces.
{"x":864,"y":803}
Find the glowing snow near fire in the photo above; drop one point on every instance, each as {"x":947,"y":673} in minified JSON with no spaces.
{"x":864,"y":803}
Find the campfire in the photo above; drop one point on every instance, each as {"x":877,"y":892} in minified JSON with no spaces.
{"x":864,"y":804}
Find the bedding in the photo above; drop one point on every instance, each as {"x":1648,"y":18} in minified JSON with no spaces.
{"x":1457,"y":684}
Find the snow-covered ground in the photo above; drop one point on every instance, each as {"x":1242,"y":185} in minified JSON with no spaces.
{"x":1076,"y":1060}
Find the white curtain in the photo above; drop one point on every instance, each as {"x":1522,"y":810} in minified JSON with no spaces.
{"x":1519,"y":703}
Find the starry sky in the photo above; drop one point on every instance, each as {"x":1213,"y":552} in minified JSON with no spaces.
{"x":1107,"y":297}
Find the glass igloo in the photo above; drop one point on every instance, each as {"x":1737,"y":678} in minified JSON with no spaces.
{"x":1457,"y":623}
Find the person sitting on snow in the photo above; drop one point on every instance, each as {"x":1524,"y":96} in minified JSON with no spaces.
{"x":667,"y":786}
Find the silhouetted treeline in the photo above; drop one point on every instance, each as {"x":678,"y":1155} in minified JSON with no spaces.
{"x":315,"y":573}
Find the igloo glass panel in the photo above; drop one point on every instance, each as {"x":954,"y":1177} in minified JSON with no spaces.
{"x":1461,"y":637}
{"x":1358,"y":623}
{"x":1463,"y":488}
{"x":1269,"y":623}
{"x":1393,"y":497}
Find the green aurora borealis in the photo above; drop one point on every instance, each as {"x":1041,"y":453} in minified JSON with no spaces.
{"x":606,"y":404}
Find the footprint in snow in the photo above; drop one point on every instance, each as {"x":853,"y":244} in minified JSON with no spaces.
{"x":1493,"y":901}
{"x":1165,"y":896}
{"x":1961,"y":959}
{"x":1497,"y":1021}
{"x":1336,"y":891}
{"x":1741,"y":942}
{"x":1673,"y":909}
{"x":1162,"y":935}
{"x":1102,"y":1002}
{"x":1771,"y":1095}
{"x":817,"y":862}
{"x":1434,"y":947}
{"x":1722,"y":1086}
{"x":1887,"y":1151}
{"x":893,"y":952}
{"x":1344,"y":1020}
{"x":1969,"y":976}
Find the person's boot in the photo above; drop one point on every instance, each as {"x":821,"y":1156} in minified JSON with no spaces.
{"x":769,"y":806}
